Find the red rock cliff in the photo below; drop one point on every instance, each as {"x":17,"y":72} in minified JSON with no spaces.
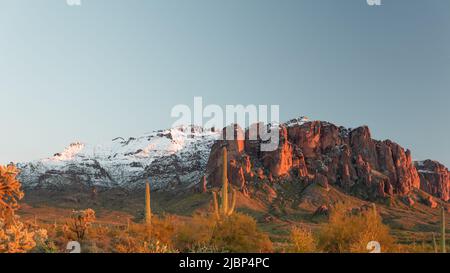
{"x":434,"y":178}
{"x":348,"y":158}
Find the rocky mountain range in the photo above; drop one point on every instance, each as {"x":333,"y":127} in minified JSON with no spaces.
{"x":170,"y":158}
{"x":188,"y":157}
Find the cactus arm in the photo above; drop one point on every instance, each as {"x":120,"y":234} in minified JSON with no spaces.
{"x":148,"y":210}
{"x":224,"y":208}
{"x":224,"y":182}
{"x":233,"y":202}
{"x":435,"y":247}
{"x":443,"y":230}
{"x":374,"y":210}
{"x":216,"y":205}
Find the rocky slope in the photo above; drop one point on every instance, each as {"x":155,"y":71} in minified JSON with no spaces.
{"x":434,"y":178}
{"x":171,"y":158}
{"x":321,"y":152}
{"x":309,"y":151}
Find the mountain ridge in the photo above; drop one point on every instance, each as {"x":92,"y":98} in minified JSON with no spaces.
{"x":125,"y":162}
{"x":322,"y":153}
{"x":179,"y":158}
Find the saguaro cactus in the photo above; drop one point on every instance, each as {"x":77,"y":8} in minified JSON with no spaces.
{"x":374,"y":210}
{"x":435,"y":247}
{"x":443,"y":230}
{"x":148,"y":209}
{"x":225,"y":210}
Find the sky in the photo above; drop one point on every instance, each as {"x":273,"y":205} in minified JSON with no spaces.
{"x":111,"y":68}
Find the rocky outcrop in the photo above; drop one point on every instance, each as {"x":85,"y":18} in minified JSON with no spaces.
{"x":434,"y":178}
{"x":239,"y":169}
{"x":309,"y":151}
{"x":321,"y":151}
{"x":322,"y":211}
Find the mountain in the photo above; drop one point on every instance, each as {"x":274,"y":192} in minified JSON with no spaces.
{"x":171,"y":158}
{"x":310,"y":152}
{"x":319,"y":152}
{"x":434,"y":178}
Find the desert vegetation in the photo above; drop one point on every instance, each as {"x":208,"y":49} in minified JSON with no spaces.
{"x":221,"y":229}
{"x":15,"y":236}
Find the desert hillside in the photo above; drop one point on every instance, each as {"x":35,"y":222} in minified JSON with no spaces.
{"x":320,"y":180}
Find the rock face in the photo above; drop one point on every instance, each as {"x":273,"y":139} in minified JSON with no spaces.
{"x":309,"y":151}
{"x":434,"y":178}
{"x":312,"y":151}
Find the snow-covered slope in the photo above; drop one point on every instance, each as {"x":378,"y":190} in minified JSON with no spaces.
{"x":170,"y":158}
{"x":173,"y":157}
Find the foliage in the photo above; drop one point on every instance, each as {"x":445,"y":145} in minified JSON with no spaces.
{"x":163,"y":229}
{"x":239,"y":233}
{"x":347,"y":232}
{"x":195,"y":233}
{"x":81,"y":220}
{"x":236,"y":233}
{"x":10,"y":192}
{"x":302,"y":241}
{"x":125,"y":243}
{"x":15,"y":237}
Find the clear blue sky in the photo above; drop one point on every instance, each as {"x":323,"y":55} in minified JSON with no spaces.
{"x":116,"y":68}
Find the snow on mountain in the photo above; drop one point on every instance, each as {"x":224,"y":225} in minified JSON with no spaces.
{"x":168,"y":157}
{"x":297,"y":121}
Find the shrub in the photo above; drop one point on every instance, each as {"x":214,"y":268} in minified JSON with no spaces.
{"x":135,"y":239}
{"x":235,"y":233}
{"x":163,"y":229}
{"x":239,"y":233}
{"x":45,"y":246}
{"x":125,"y":243}
{"x":346,"y":232}
{"x":195,"y":233}
{"x":302,"y":241}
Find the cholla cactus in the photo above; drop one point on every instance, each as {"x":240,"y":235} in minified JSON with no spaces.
{"x":14,"y":236}
{"x":224,"y":210}
{"x":81,"y":221}
{"x":10,"y":192}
